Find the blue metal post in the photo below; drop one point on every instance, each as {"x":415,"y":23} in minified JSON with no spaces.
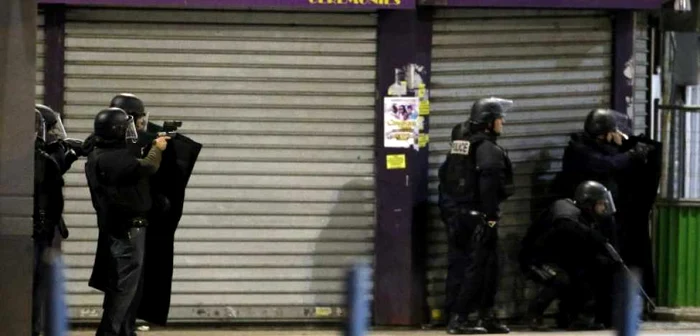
{"x":56,"y":309}
{"x":358,"y":306}
{"x":630,"y":307}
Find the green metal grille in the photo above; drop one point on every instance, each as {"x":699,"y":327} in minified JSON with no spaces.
{"x":677,"y":241}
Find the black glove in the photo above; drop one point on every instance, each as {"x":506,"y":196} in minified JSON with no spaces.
{"x":484,"y":232}
{"x":63,"y":229}
{"x":640,"y":151}
{"x":76,"y":145}
{"x":544,"y":273}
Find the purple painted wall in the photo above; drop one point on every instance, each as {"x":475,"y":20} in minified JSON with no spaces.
{"x":301,"y":4}
{"x":619,"y":4}
{"x":369,"y":4}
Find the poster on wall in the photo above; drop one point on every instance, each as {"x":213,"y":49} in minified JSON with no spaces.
{"x":401,"y":127}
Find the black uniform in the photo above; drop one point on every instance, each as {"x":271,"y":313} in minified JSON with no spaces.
{"x":588,"y":158}
{"x":564,"y":252}
{"x":474,"y":179}
{"x":631,"y":172}
{"x":119,"y":187}
{"x":167,"y":188}
{"x":51,"y":161}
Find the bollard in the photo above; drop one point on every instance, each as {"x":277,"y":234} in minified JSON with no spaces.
{"x":357,"y":318}
{"x":630,"y":307}
{"x":56,"y":310}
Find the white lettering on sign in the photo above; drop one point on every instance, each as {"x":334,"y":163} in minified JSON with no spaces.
{"x":460,"y":147}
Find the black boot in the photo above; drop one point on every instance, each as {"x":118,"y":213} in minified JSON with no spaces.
{"x":536,"y":323}
{"x":459,"y":326}
{"x":492,"y":325}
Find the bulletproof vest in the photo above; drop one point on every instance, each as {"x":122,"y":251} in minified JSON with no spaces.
{"x":565,"y":209}
{"x":116,"y":200}
{"x":458,"y":174}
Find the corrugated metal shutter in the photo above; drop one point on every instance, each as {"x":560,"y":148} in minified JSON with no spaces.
{"x":40,"y":47}
{"x":282,"y":198}
{"x":556,"y":66}
{"x":642,"y":71}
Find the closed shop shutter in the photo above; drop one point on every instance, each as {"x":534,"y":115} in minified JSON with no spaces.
{"x":556,"y":66}
{"x":642,"y":72}
{"x":40,"y":47}
{"x":282,"y":198}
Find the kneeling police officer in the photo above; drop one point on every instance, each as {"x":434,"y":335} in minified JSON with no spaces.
{"x":566,"y":253}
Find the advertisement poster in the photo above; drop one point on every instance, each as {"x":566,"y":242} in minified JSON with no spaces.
{"x":401,"y":127}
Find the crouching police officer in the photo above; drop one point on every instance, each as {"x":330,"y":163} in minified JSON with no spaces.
{"x":565,"y":252}
{"x":119,"y":187}
{"x":474,"y":179}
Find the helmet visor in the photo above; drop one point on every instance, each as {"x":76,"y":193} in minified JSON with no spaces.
{"x":606,"y":206}
{"x":131,"y":135}
{"x":39,"y":126}
{"x":57,"y":131}
{"x":505,"y":104}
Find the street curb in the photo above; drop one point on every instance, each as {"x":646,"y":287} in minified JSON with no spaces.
{"x":677,"y":314}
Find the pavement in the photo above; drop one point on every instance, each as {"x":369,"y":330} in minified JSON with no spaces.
{"x":650,"y":328}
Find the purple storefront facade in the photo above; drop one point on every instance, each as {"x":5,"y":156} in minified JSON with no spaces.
{"x":267,"y":237}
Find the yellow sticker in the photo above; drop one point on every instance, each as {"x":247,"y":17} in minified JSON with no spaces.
{"x":323,"y":311}
{"x":424,"y":107}
{"x":396,"y":161}
{"x":423,"y":140}
{"x":436,"y":314}
{"x":421,"y":90}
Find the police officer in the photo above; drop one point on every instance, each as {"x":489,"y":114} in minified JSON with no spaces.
{"x":119,"y":187}
{"x":596,"y":154}
{"x":475,"y":178}
{"x":53,"y":156}
{"x":564,"y":252}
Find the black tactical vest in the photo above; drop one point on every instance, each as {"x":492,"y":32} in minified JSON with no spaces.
{"x":116,"y":201}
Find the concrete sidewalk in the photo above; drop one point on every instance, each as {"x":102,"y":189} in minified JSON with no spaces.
{"x":652,"y":328}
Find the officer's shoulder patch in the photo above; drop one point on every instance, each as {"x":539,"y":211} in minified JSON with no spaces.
{"x":460,"y":147}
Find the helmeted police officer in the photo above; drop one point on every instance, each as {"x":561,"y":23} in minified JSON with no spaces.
{"x":53,"y":156}
{"x":475,"y":178}
{"x":595,"y":154}
{"x":119,"y":187}
{"x":565,"y":252}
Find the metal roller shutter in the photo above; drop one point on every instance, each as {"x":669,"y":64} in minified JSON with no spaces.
{"x":40,"y":47}
{"x":282,"y":198}
{"x":642,"y":71}
{"x":556,"y":66}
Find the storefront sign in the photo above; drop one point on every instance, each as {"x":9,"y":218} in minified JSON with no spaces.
{"x":308,"y":4}
{"x":620,"y":4}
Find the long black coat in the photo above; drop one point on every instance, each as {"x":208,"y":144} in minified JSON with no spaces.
{"x":639,"y":184}
{"x":168,"y":191}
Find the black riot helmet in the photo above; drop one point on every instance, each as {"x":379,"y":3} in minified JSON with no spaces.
{"x":486,"y":110}
{"x":600,"y":122}
{"x":113,"y":126}
{"x":52,"y":124}
{"x":132,"y":105}
{"x":594,"y":200}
